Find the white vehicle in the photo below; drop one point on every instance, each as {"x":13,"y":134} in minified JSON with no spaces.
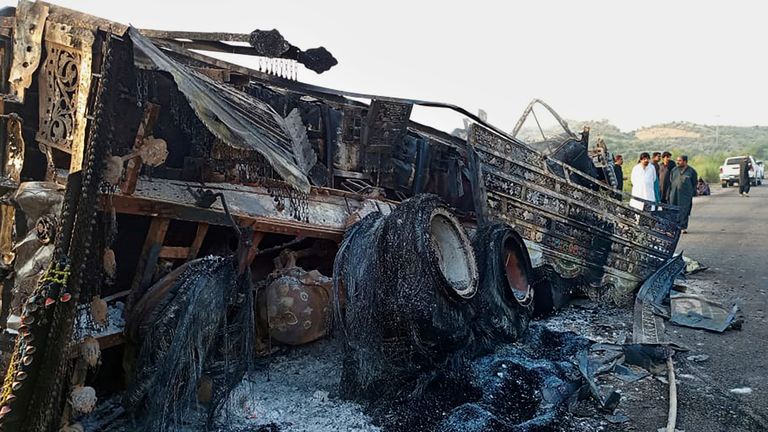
{"x":760,"y":170}
{"x":729,"y":171}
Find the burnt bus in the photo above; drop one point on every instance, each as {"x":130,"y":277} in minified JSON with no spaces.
{"x":128,"y":155}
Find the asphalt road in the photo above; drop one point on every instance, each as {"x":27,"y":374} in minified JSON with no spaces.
{"x":728,"y":233}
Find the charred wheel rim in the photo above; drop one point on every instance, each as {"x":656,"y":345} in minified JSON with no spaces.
{"x":453,"y":253}
{"x":517,"y":271}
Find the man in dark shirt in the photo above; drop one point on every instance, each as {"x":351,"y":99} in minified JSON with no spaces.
{"x":665,"y":168}
{"x":682,"y":189}
{"x":655,"y":159}
{"x":617,"y":161}
{"x":745,"y":166}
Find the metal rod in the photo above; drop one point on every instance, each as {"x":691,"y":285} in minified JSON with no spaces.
{"x":672,"y":416}
{"x":229,"y":215}
{"x":538,"y":124}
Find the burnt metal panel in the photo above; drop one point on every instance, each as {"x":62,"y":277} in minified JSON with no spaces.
{"x":234,"y":117}
{"x":65,"y":81}
{"x":27,"y":46}
{"x":384,"y":129}
{"x":647,"y":326}
{"x":328,"y":214}
{"x":583,"y":233}
{"x":347,"y":156}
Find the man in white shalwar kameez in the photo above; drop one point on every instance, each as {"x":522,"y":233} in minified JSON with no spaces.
{"x":643,"y":178}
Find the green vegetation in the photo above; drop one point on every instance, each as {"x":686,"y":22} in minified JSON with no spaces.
{"x":706,"y":146}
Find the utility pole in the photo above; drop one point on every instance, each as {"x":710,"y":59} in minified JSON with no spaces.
{"x":717,"y":137}
{"x":717,"y":132}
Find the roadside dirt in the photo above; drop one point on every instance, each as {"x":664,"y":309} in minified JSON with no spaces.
{"x":727,"y":235}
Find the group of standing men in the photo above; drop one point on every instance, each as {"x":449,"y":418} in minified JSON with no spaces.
{"x":657,"y":179}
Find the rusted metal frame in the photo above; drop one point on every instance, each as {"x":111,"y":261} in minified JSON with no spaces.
{"x":202,"y":230}
{"x":529,"y":109}
{"x":538,"y":124}
{"x":7,"y":212}
{"x":13,"y":161}
{"x":150,"y":254}
{"x":216,"y":74}
{"x":561,"y":256}
{"x":582,"y":262}
{"x":330,"y":145}
{"x":186,"y":253}
{"x":317,"y":194}
{"x":65,"y":82}
{"x":589,"y":228}
{"x":318,"y":90}
{"x":647,"y":205}
{"x":173,"y":252}
{"x":571,"y":200}
{"x":153,"y":208}
{"x":385,"y":126}
{"x":146,"y":126}
{"x":7,"y":24}
{"x":215,"y":46}
{"x":78,"y":19}
{"x":573,"y":258}
{"x":247,"y":251}
{"x":311,"y":89}
{"x":479,"y":191}
{"x":567,"y":168}
{"x":116,"y":296}
{"x":196,"y":36}
{"x":323,"y":194}
{"x":106,"y":341}
{"x":27,"y":46}
{"x":652,"y":254}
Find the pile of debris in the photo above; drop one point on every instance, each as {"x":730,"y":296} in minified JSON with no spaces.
{"x":168,"y":220}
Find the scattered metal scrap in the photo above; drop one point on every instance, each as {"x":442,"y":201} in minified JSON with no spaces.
{"x":692,"y":310}
{"x":692,"y":266}
{"x":648,"y":325}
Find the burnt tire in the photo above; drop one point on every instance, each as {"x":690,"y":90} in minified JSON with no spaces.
{"x":432,"y":272}
{"x":503,"y":305}
{"x":401,"y":283}
{"x":550,"y":291}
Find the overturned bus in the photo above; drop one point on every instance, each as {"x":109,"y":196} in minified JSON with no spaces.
{"x":148,"y":188}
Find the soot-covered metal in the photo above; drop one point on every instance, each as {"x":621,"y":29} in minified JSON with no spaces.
{"x":206,"y":204}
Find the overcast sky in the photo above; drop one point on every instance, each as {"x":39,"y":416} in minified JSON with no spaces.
{"x":634,"y":64}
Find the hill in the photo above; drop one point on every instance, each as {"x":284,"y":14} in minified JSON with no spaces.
{"x":706,"y":145}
